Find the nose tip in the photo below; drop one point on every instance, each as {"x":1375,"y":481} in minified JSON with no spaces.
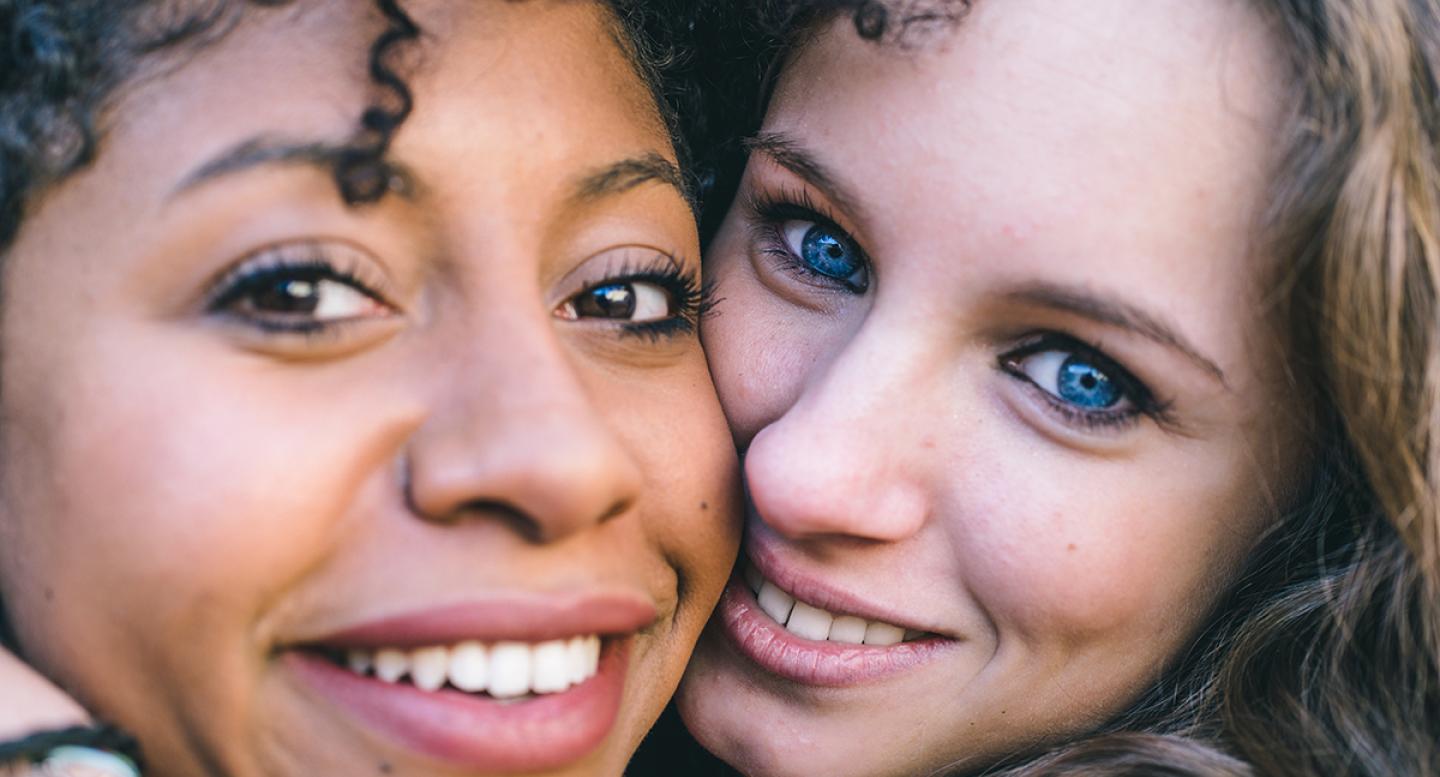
{"x":806,"y":486}
{"x":548,"y":471}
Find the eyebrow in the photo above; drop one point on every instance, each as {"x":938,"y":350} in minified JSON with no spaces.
{"x":792,"y":155}
{"x":627,"y":174}
{"x":1115,"y":313}
{"x":264,"y":151}
{"x":616,"y":178}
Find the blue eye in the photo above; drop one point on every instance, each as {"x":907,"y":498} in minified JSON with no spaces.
{"x":1074,"y":377}
{"x":1084,"y":384}
{"x":827,"y":251}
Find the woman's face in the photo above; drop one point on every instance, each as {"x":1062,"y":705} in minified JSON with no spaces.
{"x":993,"y":343}
{"x":463,"y":438}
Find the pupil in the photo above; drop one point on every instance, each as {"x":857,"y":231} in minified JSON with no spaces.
{"x":1081,"y":383}
{"x":292,"y":296}
{"x":827,"y":254}
{"x":613,"y":301}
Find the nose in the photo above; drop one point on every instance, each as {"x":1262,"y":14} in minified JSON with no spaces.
{"x":848,"y":458}
{"x":514,"y":435}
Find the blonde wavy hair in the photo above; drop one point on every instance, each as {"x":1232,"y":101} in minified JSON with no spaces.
{"x":1325,"y":658}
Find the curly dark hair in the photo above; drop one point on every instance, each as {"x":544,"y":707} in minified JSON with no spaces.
{"x":61,"y":62}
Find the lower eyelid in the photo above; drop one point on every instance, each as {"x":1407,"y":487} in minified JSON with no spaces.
{"x":770,"y":243}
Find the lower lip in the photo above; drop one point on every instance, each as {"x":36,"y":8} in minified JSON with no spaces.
{"x":478,"y":733}
{"x":825,"y":664}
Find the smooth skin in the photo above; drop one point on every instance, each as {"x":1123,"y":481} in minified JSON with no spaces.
{"x":190,"y":490}
{"x":1051,"y":186}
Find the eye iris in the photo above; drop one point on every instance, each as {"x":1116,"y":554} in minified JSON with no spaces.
{"x":828,"y":254}
{"x":1083,"y":384}
{"x":289,"y":296}
{"x":616,"y":300}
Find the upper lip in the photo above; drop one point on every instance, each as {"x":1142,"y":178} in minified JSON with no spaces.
{"x":517,"y":617}
{"x":818,"y":593}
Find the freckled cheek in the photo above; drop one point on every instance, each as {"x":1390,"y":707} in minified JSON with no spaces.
{"x":1078,"y":571}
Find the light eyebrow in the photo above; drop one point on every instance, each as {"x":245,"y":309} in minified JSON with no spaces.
{"x":792,"y":155}
{"x":264,"y":151}
{"x":626,"y":174}
{"x":1116,"y":313}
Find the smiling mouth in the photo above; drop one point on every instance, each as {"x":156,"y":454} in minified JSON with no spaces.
{"x":500,"y":670}
{"x":807,"y":621}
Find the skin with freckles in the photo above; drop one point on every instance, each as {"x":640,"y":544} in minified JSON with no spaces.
{"x":993,"y":345}
{"x":240,"y":415}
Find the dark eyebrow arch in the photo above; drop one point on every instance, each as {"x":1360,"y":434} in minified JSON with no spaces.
{"x":1112,"y":312}
{"x":265,"y":151}
{"x":629,"y":173}
{"x":792,"y":155}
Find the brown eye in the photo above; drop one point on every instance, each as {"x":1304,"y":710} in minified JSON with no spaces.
{"x":321,"y":299}
{"x":301,"y":287}
{"x":296,"y":295}
{"x":631,"y":301}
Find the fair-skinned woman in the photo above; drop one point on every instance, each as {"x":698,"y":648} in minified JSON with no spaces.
{"x":1061,"y":367}
{"x":339,"y":452}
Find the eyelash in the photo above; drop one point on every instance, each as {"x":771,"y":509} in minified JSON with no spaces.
{"x":693,"y":299}
{"x":1143,"y":400}
{"x":771,"y":211}
{"x":308,"y":262}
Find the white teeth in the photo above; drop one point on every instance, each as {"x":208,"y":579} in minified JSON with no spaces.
{"x":592,"y":657}
{"x":775,"y":602}
{"x":507,"y":670}
{"x":809,"y":622}
{"x":550,"y":667}
{"x":391,"y":665}
{"x":470,"y":667}
{"x":429,"y":667}
{"x":582,"y":664}
{"x":848,"y":629}
{"x":878,"y":633}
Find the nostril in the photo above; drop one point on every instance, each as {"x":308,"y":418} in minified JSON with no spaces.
{"x":514,"y":518}
{"x":616,"y":510}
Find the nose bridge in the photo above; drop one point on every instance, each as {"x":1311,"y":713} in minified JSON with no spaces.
{"x":512,"y":430}
{"x":848,"y":457}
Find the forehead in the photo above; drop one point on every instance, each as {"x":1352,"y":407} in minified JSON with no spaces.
{"x":1099,"y":139}
{"x":495,"y":85}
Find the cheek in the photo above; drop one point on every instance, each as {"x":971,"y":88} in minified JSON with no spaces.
{"x":687,"y":535}
{"x":670,"y":422}
{"x":1105,"y":556}
{"x":762,"y":348}
{"x":176,"y":501}
{"x":673,"y":426}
